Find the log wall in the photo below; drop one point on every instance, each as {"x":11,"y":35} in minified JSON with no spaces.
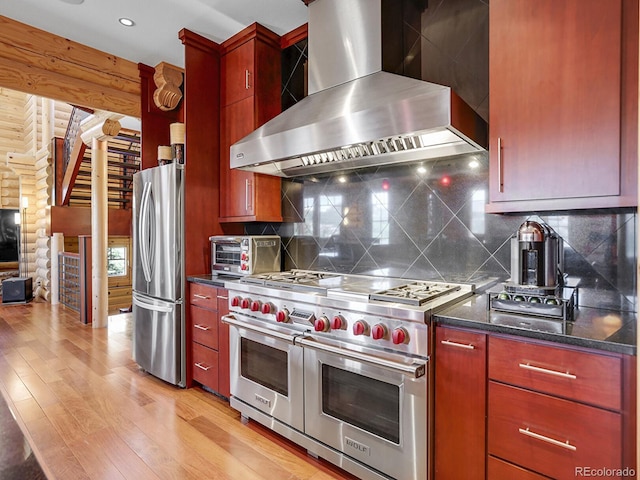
{"x":38,"y":62}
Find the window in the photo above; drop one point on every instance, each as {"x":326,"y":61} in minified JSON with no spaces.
{"x":330,"y":215}
{"x":118,"y":261}
{"x":306,"y":228}
{"x":380,"y":217}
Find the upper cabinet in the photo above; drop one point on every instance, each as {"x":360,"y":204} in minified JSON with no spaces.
{"x":563,"y":104}
{"x":250,"y":93}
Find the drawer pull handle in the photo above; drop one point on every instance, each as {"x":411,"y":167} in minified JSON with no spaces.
{"x":468,"y":346}
{"x":533,"y":368}
{"x":537,"y":436}
{"x":223,"y":298}
{"x":203,"y":367}
{"x":202,"y":297}
{"x":201,"y":327}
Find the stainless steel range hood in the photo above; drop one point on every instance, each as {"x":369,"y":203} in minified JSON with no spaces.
{"x":355,"y":114}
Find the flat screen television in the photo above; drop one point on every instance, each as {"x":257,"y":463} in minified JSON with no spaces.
{"x":9,"y":234}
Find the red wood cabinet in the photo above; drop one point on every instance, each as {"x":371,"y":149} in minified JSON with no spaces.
{"x":210,"y":337}
{"x":555,"y":409}
{"x":251,"y":82}
{"x":460,"y":403}
{"x":563,"y":104}
{"x":550,"y":435}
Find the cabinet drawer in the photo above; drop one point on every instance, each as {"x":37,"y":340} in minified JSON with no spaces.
{"x":205,"y":366}
{"x":498,"y":469}
{"x":582,"y":376}
{"x":551,"y":435}
{"x":203,"y":296}
{"x":204,"y":326}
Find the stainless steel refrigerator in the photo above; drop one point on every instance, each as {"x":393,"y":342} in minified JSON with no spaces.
{"x":158,"y":273}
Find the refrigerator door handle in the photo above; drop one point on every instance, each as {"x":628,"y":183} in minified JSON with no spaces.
{"x":138,"y":301}
{"x":143,"y":226}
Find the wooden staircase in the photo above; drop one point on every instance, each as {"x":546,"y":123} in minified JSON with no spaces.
{"x":123,"y":161}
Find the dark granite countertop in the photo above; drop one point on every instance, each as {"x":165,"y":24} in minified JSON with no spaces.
{"x":213,"y":280}
{"x":600,"y":329}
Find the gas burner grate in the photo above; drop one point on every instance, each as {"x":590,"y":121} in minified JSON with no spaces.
{"x":417,"y":293}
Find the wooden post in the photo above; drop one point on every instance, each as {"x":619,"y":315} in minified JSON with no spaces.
{"x":98,"y":129}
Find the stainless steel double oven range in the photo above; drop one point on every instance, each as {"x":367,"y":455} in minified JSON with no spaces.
{"x":339,"y":364}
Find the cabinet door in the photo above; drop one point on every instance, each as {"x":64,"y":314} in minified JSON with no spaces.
{"x":236,"y":191}
{"x":237,"y":69}
{"x":549,"y":435}
{"x":224,"y":387}
{"x":498,"y":469}
{"x":555,"y":112}
{"x":204,"y":325}
{"x":460,"y":403}
{"x":205,"y":366}
{"x":587,"y":377}
{"x":245,"y":196}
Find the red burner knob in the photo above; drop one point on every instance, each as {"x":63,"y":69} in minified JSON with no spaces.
{"x":378,"y":331}
{"x":255,"y":306}
{"x":338,"y":322}
{"x":267,"y":308}
{"x":235,"y":301}
{"x":282,"y":316}
{"x":244,"y":266}
{"x":244,"y":256}
{"x":245,"y":303}
{"x":321,"y":324}
{"x":399,"y":335}
{"x":360,"y":327}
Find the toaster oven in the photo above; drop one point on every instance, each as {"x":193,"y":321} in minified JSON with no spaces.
{"x":245,"y":255}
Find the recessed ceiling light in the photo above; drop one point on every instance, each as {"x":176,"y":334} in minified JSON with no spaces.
{"x":127,"y":22}
{"x":73,"y":2}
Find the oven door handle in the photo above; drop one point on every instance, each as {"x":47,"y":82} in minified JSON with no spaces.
{"x":415,"y":370}
{"x":231,"y":320}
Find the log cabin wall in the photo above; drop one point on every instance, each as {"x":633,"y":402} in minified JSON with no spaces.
{"x":27,"y":173}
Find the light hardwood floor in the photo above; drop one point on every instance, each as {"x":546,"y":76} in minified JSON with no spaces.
{"x":90,"y":413}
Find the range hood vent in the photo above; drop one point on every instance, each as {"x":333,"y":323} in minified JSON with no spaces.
{"x":357,"y":115}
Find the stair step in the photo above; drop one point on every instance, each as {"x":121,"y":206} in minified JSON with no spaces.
{"x":88,"y":198}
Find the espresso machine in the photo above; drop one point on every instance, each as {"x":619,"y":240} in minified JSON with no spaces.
{"x":537,"y":258}
{"x":538,"y":286}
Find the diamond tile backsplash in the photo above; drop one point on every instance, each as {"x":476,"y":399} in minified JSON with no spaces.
{"x":427,"y":221}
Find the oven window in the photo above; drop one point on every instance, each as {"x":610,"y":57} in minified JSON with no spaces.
{"x":363,"y":402}
{"x":264,"y":365}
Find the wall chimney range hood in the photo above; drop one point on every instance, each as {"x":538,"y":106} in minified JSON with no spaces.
{"x":357,"y":115}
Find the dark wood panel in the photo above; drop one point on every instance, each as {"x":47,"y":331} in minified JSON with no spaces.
{"x":202,"y":149}
{"x":294,"y":36}
{"x":578,"y":375}
{"x":74,"y":221}
{"x":460,"y":404}
{"x":515,"y":415}
{"x":224,"y":383}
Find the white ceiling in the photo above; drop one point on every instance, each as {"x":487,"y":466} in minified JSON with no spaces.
{"x":154,"y":38}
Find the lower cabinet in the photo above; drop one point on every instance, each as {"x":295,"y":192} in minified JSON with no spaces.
{"x":209,"y":337}
{"x":460,"y":404}
{"x":522,"y":409}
